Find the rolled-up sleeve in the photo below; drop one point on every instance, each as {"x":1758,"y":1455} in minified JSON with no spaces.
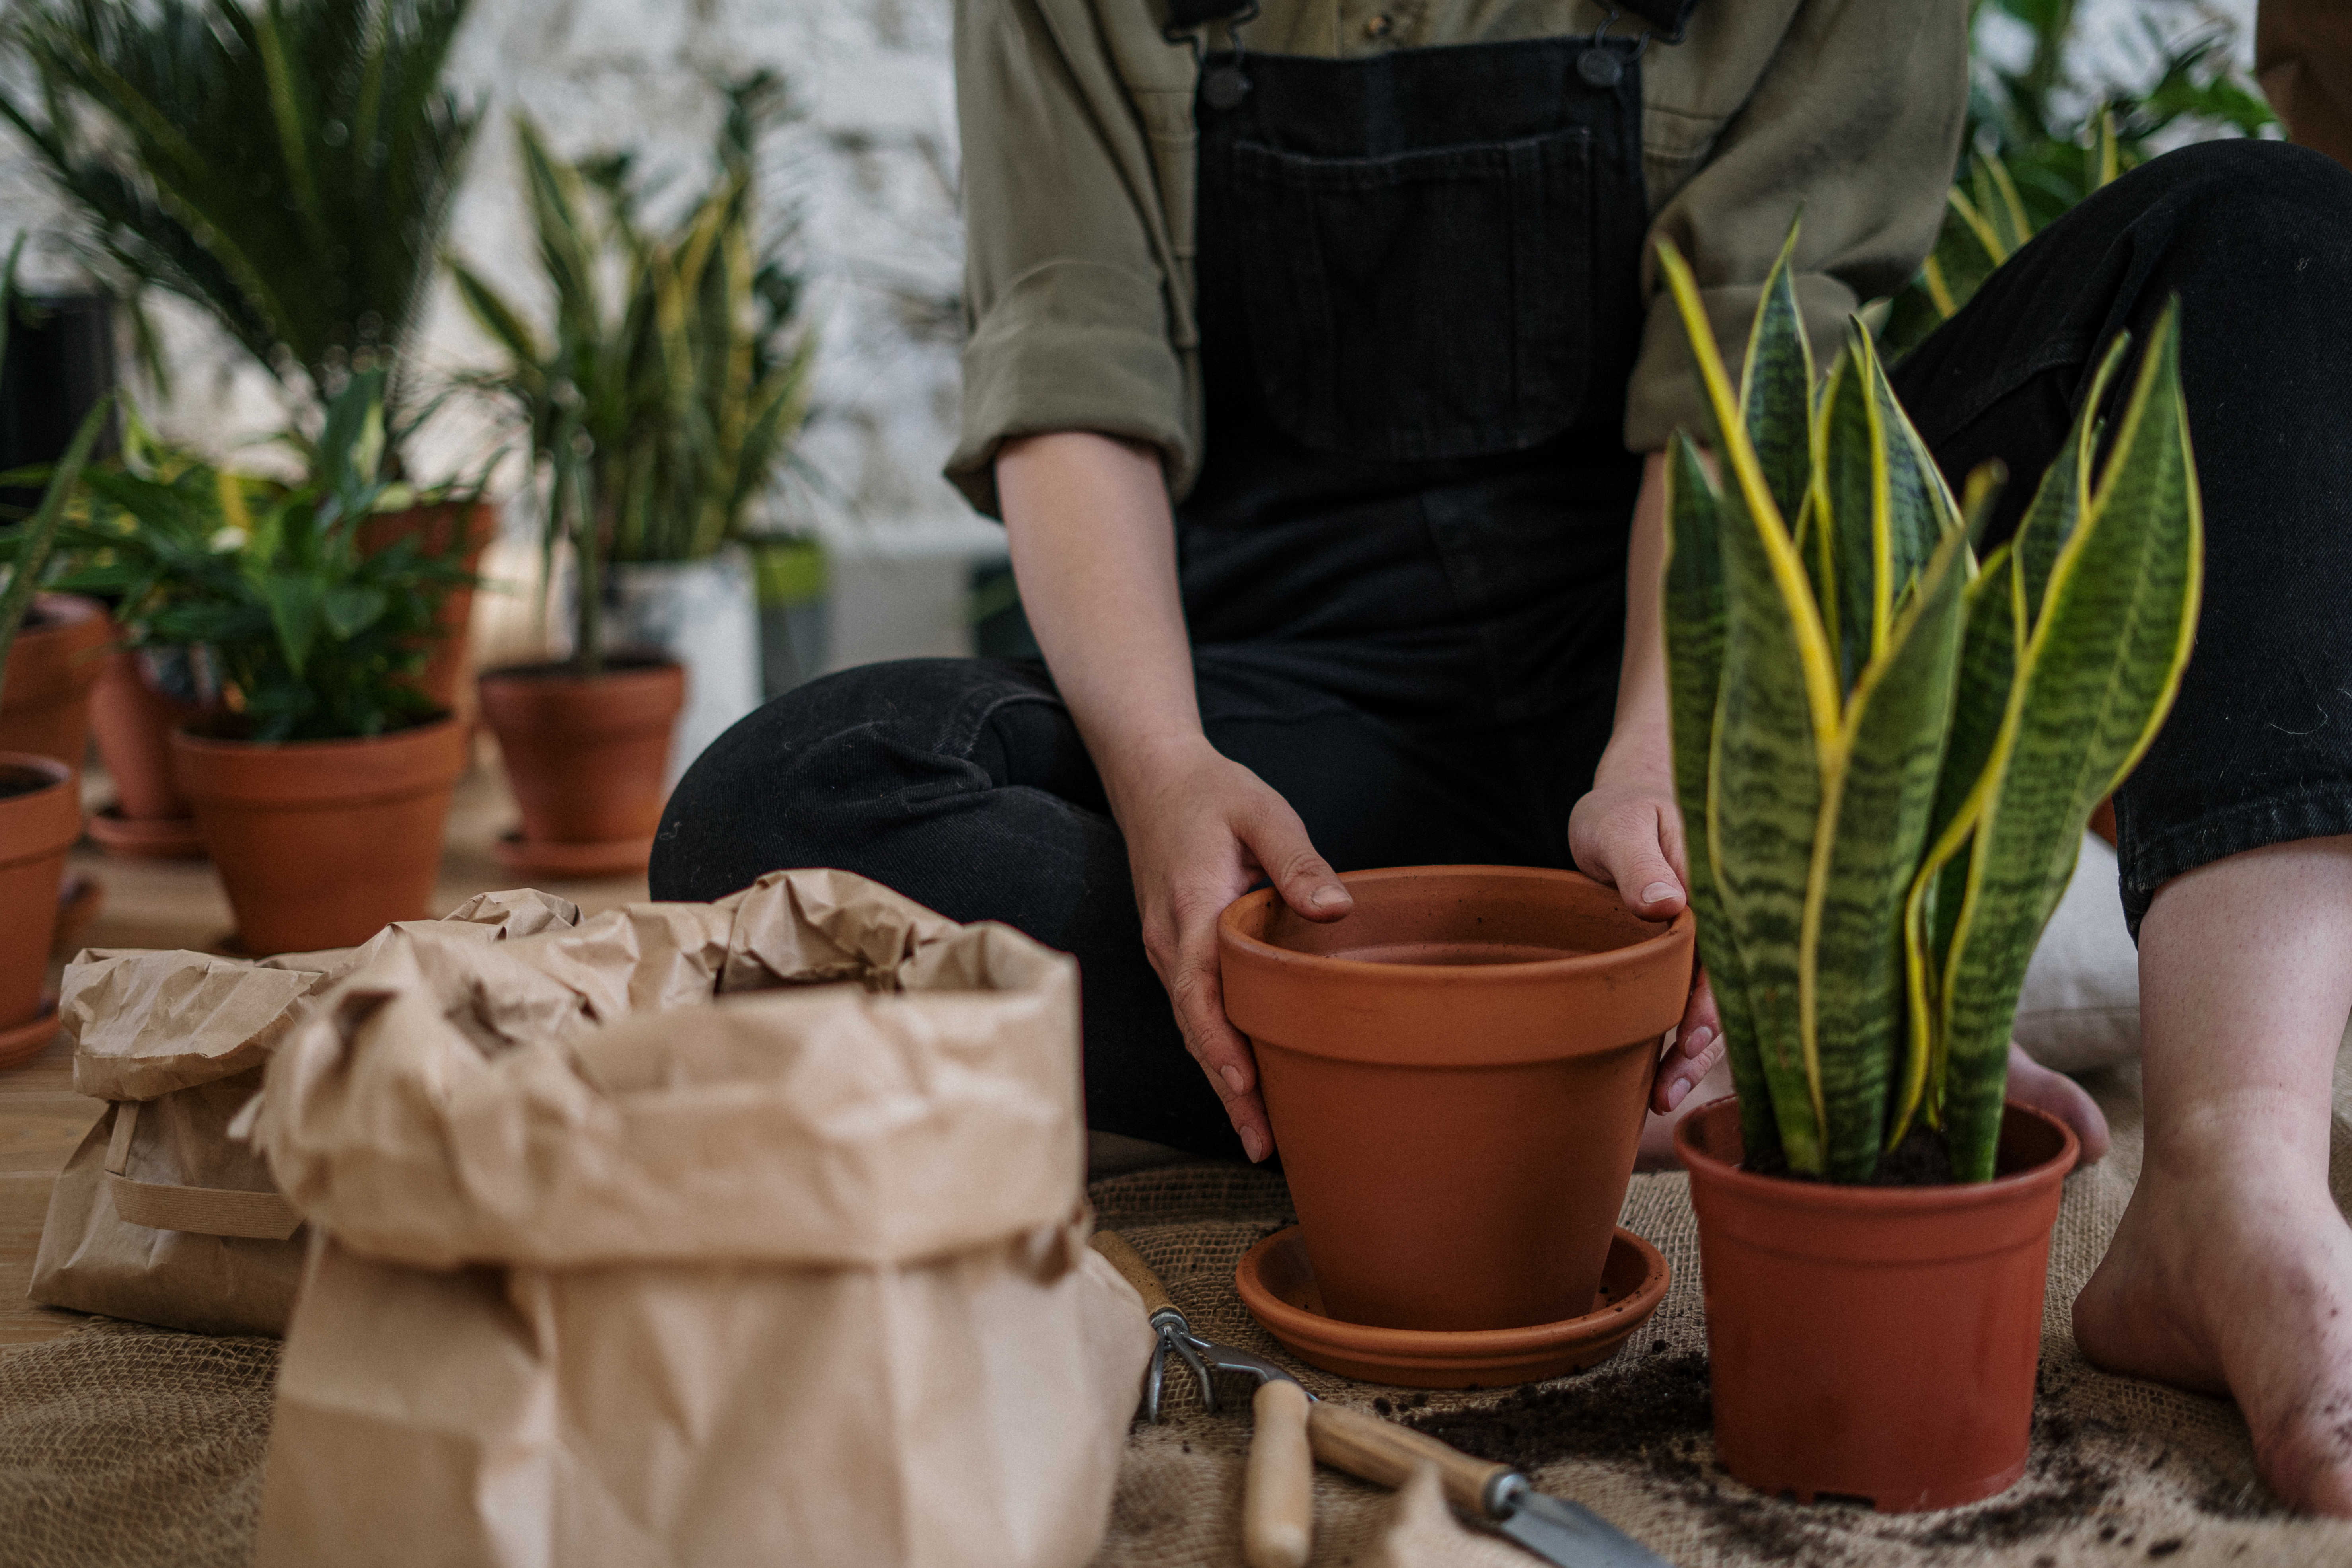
{"x":1065,"y":275}
{"x":1856,"y":121}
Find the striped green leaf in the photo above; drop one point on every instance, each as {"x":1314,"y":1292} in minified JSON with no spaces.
{"x":1775,"y":388}
{"x":1850,"y":534}
{"x":2065,"y":490}
{"x":1879,"y":785}
{"x":2100,"y":668}
{"x":1694,"y":636}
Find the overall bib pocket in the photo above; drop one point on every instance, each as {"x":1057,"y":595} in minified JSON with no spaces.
{"x":1427,"y":305}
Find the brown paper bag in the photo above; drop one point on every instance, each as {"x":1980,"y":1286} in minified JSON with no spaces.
{"x":161,"y":1215}
{"x":743,"y":1232}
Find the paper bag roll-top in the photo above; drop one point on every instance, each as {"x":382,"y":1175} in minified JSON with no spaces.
{"x":748,"y":1232}
{"x":161,"y":1215}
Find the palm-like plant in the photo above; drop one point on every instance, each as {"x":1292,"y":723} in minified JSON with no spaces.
{"x":287,"y":167}
{"x":662,"y":410}
{"x":1885,"y":750}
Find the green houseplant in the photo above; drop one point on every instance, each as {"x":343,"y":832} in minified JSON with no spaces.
{"x":40,"y":806}
{"x":1885,"y":751}
{"x":322,"y":781}
{"x":658,"y":413}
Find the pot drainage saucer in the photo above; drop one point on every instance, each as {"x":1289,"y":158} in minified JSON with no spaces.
{"x":20,"y":1042}
{"x":138,"y":839}
{"x":1278,"y":1285}
{"x":536,"y":858}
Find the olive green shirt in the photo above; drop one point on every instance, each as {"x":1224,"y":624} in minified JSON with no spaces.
{"x":1079,"y":164}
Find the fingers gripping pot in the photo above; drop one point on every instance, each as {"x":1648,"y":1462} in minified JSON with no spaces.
{"x":739,"y":1232}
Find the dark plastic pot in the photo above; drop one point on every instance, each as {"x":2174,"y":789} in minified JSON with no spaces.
{"x":1874,"y":1342}
{"x":1456,"y":1074}
{"x":324,"y":843}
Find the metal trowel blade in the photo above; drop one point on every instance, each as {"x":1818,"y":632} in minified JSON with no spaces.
{"x":1573,"y":1536}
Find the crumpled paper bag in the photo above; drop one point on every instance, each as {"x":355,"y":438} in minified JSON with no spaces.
{"x":741,"y":1233}
{"x":160,"y":1216}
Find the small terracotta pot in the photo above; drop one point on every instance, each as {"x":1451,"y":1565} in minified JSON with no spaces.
{"x":133,"y":723}
{"x":585,"y":754}
{"x":1456,"y":1074}
{"x":37,"y":826}
{"x":436,"y":530}
{"x":324,"y":843}
{"x":53,"y":662}
{"x":1874,"y":1342}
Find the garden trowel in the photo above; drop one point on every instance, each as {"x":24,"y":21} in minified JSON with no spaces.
{"x":1275,"y":1506}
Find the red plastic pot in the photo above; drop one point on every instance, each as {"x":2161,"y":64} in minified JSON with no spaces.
{"x":55,"y":661}
{"x":1874,"y":1342}
{"x":40,"y":817}
{"x":324,"y":843}
{"x":1456,"y":1074}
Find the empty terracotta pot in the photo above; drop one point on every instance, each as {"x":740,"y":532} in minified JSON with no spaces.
{"x":324,"y":843}
{"x":57,"y":658}
{"x":1456,"y":1074}
{"x":586,"y":754}
{"x":1874,"y":1342}
{"x":40,"y":817}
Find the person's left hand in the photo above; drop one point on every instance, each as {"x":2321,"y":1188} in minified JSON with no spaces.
{"x":1628,"y":833}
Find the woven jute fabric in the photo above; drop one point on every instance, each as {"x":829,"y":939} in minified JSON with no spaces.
{"x":122,"y":1446}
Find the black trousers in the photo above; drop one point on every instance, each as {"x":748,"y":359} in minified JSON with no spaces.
{"x":963,"y":783}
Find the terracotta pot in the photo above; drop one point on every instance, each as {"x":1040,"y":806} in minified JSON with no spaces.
{"x":436,"y":530}
{"x":324,"y":843}
{"x":133,"y":723}
{"x":1874,"y":1342}
{"x":1457,"y":1075}
{"x":586,"y":755}
{"x":56,"y":659}
{"x":37,"y":824}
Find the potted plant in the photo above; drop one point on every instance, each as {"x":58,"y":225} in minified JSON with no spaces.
{"x":1884,"y":753}
{"x":287,"y":169}
{"x":322,"y":780}
{"x":40,"y":800}
{"x":655,"y":420}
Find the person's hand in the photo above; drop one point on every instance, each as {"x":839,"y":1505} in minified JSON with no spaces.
{"x":1201,"y":830}
{"x":1628,"y":833}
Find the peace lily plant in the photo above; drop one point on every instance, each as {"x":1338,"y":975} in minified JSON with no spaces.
{"x":1886,"y":749}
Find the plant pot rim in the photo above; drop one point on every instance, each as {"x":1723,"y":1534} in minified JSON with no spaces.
{"x":1843,"y":1197}
{"x":183,"y":736}
{"x":619,"y":665}
{"x":1679,"y":931}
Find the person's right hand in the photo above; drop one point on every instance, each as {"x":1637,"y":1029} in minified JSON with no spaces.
{"x":1201,"y":830}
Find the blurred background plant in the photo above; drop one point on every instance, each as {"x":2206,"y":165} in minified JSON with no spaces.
{"x":309,"y":635}
{"x":660,"y":410}
{"x":287,"y":167}
{"x":2044,"y":133}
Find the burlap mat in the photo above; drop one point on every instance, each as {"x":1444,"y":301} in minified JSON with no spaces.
{"x":122,"y":1446}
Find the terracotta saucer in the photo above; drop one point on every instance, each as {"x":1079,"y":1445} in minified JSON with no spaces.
{"x":22,"y":1042}
{"x":135,"y":838}
{"x":525,"y":858}
{"x":1278,"y":1287}
{"x":80,"y":899}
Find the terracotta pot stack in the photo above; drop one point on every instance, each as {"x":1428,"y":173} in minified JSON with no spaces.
{"x":1456,"y":1074}
{"x":586,"y":757}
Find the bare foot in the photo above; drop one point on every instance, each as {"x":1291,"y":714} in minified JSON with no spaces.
{"x":2055,"y":1094}
{"x":2029,"y":1082}
{"x":2234,"y":1281}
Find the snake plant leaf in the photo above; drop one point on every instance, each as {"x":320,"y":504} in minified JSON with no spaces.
{"x":1919,"y":508}
{"x":2100,"y":670}
{"x":1693,"y":626}
{"x":1849,"y":494}
{"x":1776,"y":387}
{"x":2065,"y":491}
{"x":1879,"y":785}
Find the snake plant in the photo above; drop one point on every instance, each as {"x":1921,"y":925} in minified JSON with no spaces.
{"x":1886,"y":750}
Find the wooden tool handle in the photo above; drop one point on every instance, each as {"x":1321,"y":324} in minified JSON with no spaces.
{"x":1384,"y":1452}
{"x":1133,"y":1269}
{"x":1278,"y":1493}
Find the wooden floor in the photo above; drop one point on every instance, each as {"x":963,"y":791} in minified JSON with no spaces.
{"x":180,"y":904}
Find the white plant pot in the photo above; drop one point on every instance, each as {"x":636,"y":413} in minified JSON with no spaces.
{"x":705,"y":616}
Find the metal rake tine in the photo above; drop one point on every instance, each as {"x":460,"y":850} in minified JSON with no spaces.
{"x":1158,"y":1375}
{"x":1199,"y":1369}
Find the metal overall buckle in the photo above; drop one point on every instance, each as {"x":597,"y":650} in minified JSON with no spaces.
{"x":1602,"y":65}
{"x":1188,"y":20}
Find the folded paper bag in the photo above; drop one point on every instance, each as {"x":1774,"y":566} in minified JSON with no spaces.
{"x":609,"y":1269}
{"x":161,"y":1215}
